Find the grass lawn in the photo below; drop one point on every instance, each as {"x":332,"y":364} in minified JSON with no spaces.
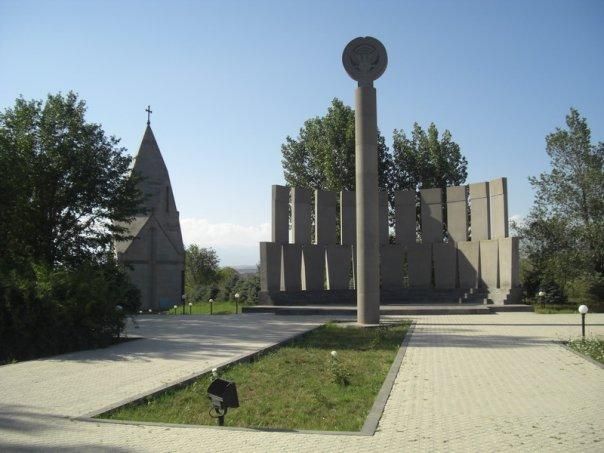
{"x":592,"y":347}
{"x":293,"y":387}
{"x":566,"y":308}
{"x":203,"y":308}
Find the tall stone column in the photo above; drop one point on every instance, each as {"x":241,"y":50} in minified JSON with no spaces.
{"x":365,"y":60}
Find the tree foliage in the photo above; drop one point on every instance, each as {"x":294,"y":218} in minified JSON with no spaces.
{"x":425,"y":161}
{"x":201,"y":266}
{"x":564,"y":231}
{"x":65,"y":188}
{"x":65,"y":185}
{"x":323,"y":156}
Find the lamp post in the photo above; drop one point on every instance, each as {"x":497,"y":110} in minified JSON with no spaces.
{"x":211,"y":301}
{"x":237,"y":296}
{"x":541,"y":295}
{"x":190,"y":308}
{"x":175,"y":307}
{"x":183,"y":297}
{"x":583,"y":310}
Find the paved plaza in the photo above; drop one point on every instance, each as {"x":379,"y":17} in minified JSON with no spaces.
{"x":496,"y":382}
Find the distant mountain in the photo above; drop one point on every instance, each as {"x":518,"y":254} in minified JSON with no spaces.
{"x":245,"y":269}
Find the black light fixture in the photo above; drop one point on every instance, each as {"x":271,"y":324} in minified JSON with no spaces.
{"x":223,"y":395}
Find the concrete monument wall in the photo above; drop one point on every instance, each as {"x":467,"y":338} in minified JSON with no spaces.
{"x":431,"y":215}
{"x":348,"y":229}
{"x":489,"y":263}
{"x":339,"y":266}
{"x":457,"y":214}
{"x":479,"y":211}
{"x":445,"y":266}
{"x":392,"y":260}
{"x":325,"y":217}
{"x":498,"y":193}
{"x":468,"y":263}
{"x":313,"y":267}
{"x":405,"y":217}
{"x":486,"y":259}
{"x":291,"y":267}
{"x":419,"y":263}
{"x":280,"y":215}
{"x":383,"y":214}
{"x":301,"y":215}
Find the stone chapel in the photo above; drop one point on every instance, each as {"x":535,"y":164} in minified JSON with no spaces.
{"x":155,"y":256}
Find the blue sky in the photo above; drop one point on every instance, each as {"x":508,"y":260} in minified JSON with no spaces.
{"x":229,"y":80}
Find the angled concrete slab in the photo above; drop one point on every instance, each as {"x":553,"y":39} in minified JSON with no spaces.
{"x":468,"y":262}
{"x":479,"y":211}
{"x":498,"y":193}
{"x":405,"y":217}
{"x":348,"y":229}
{"x":291,"y":267}
{"x":339,"y":266}
{"x":419,"y":262}
{"x":280,"y":214}
{"x":489,"y":263}
{"x":313,"y":267}
{"x":457,"y":214}
{"x":301,"y":215}
{"x":392,"y":261}
{"x":325,"y":217}
{"x":431,"y":215}
{"x":270,"y":266}
{"x":445,"y":265}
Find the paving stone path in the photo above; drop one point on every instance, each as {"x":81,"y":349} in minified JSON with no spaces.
{"x":494,"y":382}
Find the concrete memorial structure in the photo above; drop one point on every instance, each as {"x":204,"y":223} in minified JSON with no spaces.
{"x":405,"y":217}
{"x":365,"y":60}
{"x":155,"y":256}
{"x":462,"y":246}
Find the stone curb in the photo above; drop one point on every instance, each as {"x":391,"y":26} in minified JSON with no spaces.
{"x":586,"y":357}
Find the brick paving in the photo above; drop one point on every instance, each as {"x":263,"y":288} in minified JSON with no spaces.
{"x":467,"y":383}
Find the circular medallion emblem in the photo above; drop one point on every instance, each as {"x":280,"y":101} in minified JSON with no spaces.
{"x":365,"y":59}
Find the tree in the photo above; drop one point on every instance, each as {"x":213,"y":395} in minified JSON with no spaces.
{"x":66,"y":188}
{"x":425,"y":161}
{"x":563,"y":235}
{"x":65,"y":192}
{"x":323,"y":155}
{"x":201,"y":266}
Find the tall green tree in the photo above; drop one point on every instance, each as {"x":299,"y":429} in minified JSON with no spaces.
{"x":65,"y":188}
{"x":322,"y":156}
{"x":563,"y":235}
{"x":424,"y":160}
{"x":201,"y":266}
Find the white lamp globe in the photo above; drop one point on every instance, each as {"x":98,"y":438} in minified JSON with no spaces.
{"x":334,"y":354}
{"x":541,"y":293}
{"x":236,"y":295}
{"x":583,"y":309}
{"x":190,"y":304}
{"x":211,"y":300}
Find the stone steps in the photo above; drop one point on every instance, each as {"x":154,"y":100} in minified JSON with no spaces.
{"x":348,"y":310}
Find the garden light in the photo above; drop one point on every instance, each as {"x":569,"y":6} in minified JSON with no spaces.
{"x":223,"y":395}
{"x":237,"y":303}
{"x":211,"y":301}
{"x":583,"y":310}
{"x":334,"y":354}
{"x":190,"y":308}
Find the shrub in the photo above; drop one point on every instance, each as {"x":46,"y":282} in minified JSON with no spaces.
{"x":45,"y":311}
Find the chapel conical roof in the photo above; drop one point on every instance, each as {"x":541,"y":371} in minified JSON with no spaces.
{"x":150,"y":166}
